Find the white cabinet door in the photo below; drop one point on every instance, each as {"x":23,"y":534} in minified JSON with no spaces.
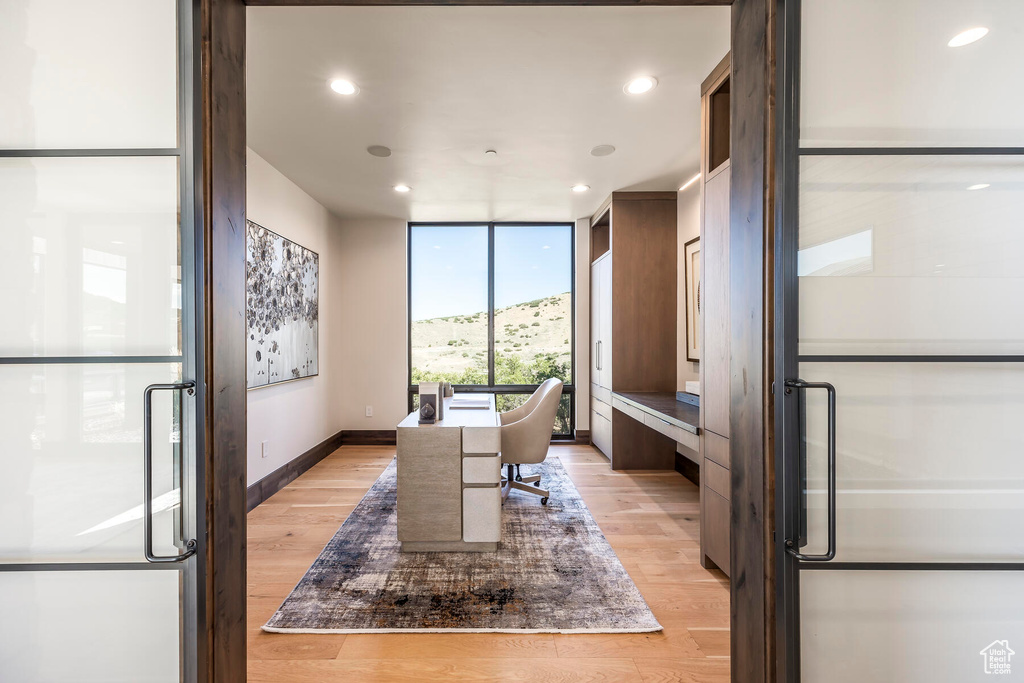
{"x":601,"y":433}
{"x":595,"y":322}
{"x":605,"y":322}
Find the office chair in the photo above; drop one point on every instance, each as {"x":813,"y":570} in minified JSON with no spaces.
{"x":525,"y":437}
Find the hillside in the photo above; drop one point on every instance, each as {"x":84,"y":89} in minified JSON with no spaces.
{"x":457,"y":344}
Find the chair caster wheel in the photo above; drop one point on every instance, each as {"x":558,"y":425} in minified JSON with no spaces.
{"x":537,"y":483}
{"x":519,"y":477}
{"x":544,"y":500}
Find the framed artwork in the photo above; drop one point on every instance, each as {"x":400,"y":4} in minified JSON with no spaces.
{"x":691,"y":262}
{"x":282,"y":308}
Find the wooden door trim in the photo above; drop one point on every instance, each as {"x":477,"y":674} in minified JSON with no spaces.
{"x":222,"y":51}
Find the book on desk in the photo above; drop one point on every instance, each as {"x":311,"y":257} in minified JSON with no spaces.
{"x":478,"y":402}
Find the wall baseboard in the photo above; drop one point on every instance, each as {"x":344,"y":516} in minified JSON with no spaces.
{"x":368,"y":437}
{"x":688,"y":468}
{"x":583,"y":437}
{"x":289,"y":472}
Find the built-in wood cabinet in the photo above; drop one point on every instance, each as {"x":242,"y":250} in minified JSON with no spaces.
{"x":714,"y":346}
{"x":632,"y":321}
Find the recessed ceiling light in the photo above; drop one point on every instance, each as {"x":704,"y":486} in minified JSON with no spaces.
{"x":402,"y":188}
{"x":343,"y":87}
{"x":602,"y":151}
{"x":967,"y":37}
{"x":580,"y":188}
{"x":689,"y":182}
{"x":979,"y":186}
{"x":638,"y":86}
{"x":379,"y":151}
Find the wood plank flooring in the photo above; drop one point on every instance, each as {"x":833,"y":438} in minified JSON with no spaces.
{"x":651,"y":520}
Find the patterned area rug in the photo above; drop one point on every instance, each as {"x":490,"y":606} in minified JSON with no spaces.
{"x":553,"y":572}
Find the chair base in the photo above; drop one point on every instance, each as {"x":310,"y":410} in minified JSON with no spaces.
{"x":527,"y":484}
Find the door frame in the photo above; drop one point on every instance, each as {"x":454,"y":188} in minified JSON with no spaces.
{"x":752,"y":240}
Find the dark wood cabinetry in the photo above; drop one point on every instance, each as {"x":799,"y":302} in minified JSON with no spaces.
{"x":633,"y":320}
{"x":714,"y":345}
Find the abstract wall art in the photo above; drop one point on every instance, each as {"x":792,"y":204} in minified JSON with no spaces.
{"x":282,"y":308}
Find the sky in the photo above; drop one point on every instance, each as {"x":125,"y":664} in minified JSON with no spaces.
{"x":449,"y":267}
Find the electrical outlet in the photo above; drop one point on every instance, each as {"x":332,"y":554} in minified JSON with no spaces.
{"x":265,"y":449}
{"x":369,"y":411}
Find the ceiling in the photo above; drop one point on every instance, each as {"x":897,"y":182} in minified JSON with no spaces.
{"x":442,"y":85}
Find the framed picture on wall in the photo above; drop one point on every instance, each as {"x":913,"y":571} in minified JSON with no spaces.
{"x":282,"y":308}
{"x":691,"y":274}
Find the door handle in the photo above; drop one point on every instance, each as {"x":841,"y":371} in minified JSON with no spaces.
{"x":791,"y":545}
{"x":147,"y":444}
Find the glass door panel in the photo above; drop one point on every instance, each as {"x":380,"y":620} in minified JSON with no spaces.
{"x":95,"y":257}
{"x":925,"y":254}
{"x":90,"y":75}
{"x":90,"y":627}
{"x":881,"y":73}
{"x":99,"y":409}
{"x":900,"y":342}
{"x":874,"y":627}
{"x":73,"y":457}
{"x":929,"y":464}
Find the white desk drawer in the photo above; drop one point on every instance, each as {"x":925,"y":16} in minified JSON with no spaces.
{"x":601,"y":408}
{"x":628,"y":409}
{"x":481,"y":469}
{"x":481,"y":514}
{"x":602,"y":394}
{"x":688,"y":439}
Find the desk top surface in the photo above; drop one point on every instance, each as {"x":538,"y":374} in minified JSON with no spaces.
{"x":683,"y":415}
{"x":459,"y":417}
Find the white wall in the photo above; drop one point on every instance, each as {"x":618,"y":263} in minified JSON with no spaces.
{"x":688,"y":226}
{"x":371,"y":291}
{"x":583,"y":323}
{"x":294,"y":416}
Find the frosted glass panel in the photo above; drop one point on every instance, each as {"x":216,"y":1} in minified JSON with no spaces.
{"x":90,"y":627}
{"x":880,"y":73}
{"x":898,"y":256}
{"x":71,"y":456}
{"x":80,"y":75}
{"x":91,"y":256}
{"x":929,"y":463}
{"x":910,"y":627}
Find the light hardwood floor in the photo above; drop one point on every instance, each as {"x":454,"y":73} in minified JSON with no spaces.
{"x":651,"y":520}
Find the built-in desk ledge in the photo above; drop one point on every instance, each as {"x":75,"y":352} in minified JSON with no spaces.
{"x":661,"y":405}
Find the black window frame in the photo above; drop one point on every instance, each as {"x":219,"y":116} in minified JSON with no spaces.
{"x":568,"y":389}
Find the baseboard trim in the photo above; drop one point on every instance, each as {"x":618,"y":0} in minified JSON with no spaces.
{"x":369,"y":437}
{"x":583,"y":437}
{"x":284,"y":475}
{"x":688,"y":468}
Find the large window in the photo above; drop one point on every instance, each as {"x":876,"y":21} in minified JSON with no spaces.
{"x":491,"y":309}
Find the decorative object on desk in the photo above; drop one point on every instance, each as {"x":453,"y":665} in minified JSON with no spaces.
{"x":427,"y":412}
{"x":282,"y":308}
{"x":554,"y":572}
{"x":448,"y":391}
{"x":691,"y":261}
{"x":431,"y":403}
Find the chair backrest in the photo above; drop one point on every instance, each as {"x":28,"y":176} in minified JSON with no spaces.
{"x":525,"y":439}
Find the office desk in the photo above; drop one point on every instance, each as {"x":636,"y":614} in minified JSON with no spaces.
{"x":663,"y":413}
{"x":449,"y":481}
